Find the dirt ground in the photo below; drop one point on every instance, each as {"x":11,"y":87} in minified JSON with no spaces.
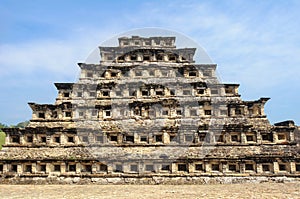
{"x":263,"y":190}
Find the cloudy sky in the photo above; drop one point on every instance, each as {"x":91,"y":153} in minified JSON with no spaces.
{"x":255,"y":43}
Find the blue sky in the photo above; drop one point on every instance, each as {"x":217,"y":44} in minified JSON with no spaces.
{"x":254,"y":43}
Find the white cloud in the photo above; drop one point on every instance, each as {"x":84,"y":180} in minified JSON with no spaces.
{"x":27,"y":57}
{"x":58,"y":56}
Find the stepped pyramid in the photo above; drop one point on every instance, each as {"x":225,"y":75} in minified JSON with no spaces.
{"x":148,"y":113}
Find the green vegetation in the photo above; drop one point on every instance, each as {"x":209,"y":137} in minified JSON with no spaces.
{"x":2,"y":134}
{"x":21,"y":124}
{"x":3,"y":126}
{"x":2,"y":139}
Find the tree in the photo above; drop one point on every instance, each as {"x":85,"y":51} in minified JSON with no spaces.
{"x":22,"y":124}
{"x":2,"y":126}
